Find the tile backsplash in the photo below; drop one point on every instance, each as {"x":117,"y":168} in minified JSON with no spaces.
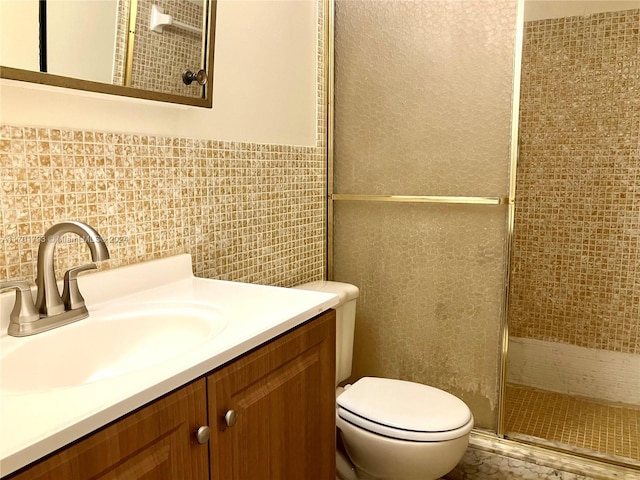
{"x":576,"y":264}
{"x":245,"y":211}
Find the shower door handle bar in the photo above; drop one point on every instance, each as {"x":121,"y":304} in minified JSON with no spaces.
{"x":421,"y":199}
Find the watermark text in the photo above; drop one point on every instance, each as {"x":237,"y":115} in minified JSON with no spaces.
{"x":111,"y":239}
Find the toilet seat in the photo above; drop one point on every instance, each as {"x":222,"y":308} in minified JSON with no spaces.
{"x":404,"y":410}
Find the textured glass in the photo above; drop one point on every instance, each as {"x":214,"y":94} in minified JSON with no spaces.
{"x":423,"y":96}
{"x":423,"y":107}
{"x":431,"y":281}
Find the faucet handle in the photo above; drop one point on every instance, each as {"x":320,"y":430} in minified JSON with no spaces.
{"x":24,"y":310}
{"x":71,"y":295}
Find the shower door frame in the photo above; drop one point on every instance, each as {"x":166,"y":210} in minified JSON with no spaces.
{"x":498,"y":439}
{"x":509,"y":201}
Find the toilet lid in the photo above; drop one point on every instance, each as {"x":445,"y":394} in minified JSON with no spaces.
{"x":406,"y":410}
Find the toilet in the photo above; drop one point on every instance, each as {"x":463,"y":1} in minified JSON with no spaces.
{"x":391,"y":429}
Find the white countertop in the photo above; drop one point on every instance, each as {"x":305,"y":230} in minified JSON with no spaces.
{"x":35,"y":423}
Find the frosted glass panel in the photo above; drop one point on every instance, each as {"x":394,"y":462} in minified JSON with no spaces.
{"x":431,"y":281}
{"x":423,"y":96}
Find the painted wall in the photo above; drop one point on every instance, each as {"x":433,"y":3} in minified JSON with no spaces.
{"x":81,"y":38}
{"x":19,"y":34}
{"x":265,"y":81}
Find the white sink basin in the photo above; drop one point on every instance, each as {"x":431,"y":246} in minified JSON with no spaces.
{"x":127,"y":339}
{"x":152,"y":327}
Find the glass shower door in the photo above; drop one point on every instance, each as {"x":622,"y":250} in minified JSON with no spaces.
{"x":421,"y":178}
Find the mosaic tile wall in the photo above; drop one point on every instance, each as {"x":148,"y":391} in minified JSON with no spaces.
{"x":562,"y":421}
{"x":576,"y":265}
{"x":245,"y":211}
{"x":160,"y":59}
{"x":122,"y":29}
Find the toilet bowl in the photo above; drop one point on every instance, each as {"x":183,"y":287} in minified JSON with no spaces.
{"x":391,"y":429}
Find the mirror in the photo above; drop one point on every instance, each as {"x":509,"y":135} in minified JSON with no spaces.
{"x":152,"y":49}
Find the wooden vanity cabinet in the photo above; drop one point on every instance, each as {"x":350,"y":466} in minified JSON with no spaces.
{"x":283,"y":396}
{"x":155,"y":442}
{"x":272,"y":412}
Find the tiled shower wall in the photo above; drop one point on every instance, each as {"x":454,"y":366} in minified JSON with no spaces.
{"x":244,"y":211}
{"x":576,"y":265}
{"x":160,"y":58}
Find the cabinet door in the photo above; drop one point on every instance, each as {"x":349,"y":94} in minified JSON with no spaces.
{"x":283,"y":395}
{"x":156,"y":442}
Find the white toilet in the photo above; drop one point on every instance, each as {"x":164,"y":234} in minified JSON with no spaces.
{"x":391,"y":429}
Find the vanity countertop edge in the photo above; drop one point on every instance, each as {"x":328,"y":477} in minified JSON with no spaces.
{"x":36,"y":423}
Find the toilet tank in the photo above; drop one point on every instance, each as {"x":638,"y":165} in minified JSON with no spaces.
{"x":345,"y":321}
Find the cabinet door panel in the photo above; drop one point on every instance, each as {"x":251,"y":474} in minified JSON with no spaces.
{"x":154,"y":443}
{"x":284,"y":397}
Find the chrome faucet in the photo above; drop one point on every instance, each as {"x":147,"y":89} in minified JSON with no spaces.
{"x":49,"y":302}
{"x":52,"y":310}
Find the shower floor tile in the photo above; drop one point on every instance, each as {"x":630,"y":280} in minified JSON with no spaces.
{"x":578,"y":422}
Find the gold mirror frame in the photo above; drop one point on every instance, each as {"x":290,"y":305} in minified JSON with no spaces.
{"x":19,"y":74}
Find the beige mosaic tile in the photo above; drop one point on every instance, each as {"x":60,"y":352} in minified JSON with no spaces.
{"x":244,"y":211}
{"x":122,"y":29}
{"x":321,"y":81}
{"x":576,"y":265}
{"x":574,"y":422}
